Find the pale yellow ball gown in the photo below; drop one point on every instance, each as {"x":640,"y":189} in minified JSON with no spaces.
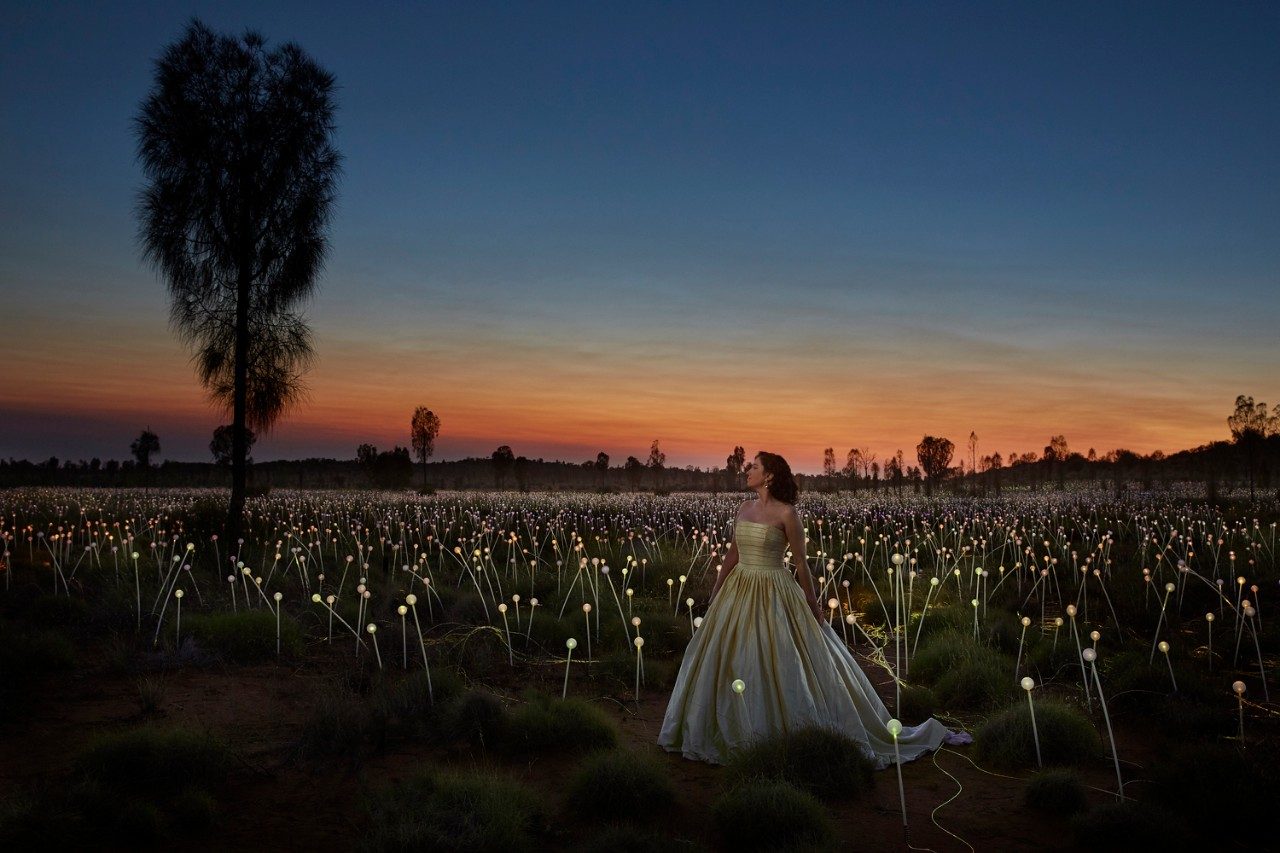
{"x":795,"y":672}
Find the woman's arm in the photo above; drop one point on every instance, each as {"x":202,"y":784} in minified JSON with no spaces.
{"x":795,"y":538}
{"x":730,"y":560}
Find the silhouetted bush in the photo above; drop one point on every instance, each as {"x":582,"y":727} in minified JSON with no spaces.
{"x":1058,"y":792}
{"x":1066,"y":737}
{"x":772,"y":815}
{"x":550,"y":724}
{"x":248,"y":636}
{"x":620,"y":785}
{"x":454,"y":812}
{"x":816,"y":760}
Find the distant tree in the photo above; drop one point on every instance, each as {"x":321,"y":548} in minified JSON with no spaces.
{"x":973,"y":452}
{"x":366,"y":454}
{"x":893,"y":471}
{"x":1093,"y":455}
{"x":423,"y":429}
{"x":1056,"y":450}
{"x":829,"y":462}
{"x":1250,"y":425}
{"x":503,"y":461}
{"x":733,"y":466}
{"x":602,"y":468}
{"x":634,"y":468}
{"x":657,"y":462}
{"x":521,"y":469}
{"x":934,"y":456}
{"x":221,"y":446}
{"x":852,"y":465}
{"x":143,"y":446}
{"x":234,"y":141}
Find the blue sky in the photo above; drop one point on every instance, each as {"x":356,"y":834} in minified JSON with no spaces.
{"x":798,"y":224}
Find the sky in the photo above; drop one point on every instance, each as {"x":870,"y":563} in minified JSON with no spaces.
{"x":574,"y":227}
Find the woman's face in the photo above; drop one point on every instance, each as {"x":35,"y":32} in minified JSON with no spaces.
{"x":756,"y":475}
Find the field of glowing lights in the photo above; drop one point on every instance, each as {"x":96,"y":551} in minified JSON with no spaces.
{"x":468,"y":670}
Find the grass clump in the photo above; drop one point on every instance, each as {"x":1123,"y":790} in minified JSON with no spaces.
{"x":454,"y":812}
{"x":772,"y":815}
{"x":918,"y":704}
{"x":1117,"y":825}
{"x":549,"y":724}
{"x":339,"y":723}
{"x":978,"y":682}
{"x":817,"y":760}
{"x":1066,"y":737}
{"x":155,"y":760}
{"x":245,"y":637}
{"x":413,"y":706}
{"x":1203,"y":781}
{"x":150,"y":784}
{"x":478,"y":719}
{"x":621,"y":785}
{"x":628,"y":839}
{"x":1059,"y":792}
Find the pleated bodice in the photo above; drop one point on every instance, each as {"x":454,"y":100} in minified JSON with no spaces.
{"x":760,"y":546}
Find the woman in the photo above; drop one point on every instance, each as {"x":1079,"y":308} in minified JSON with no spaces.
{"x":767,"y":630}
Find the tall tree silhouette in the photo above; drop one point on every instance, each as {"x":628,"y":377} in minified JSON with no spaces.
{"x":503,"y":461}
{"x":143,"y":446}
{"x":1250,"y":424}
{"x":234,"y":142}
{"x":934,"y":456}
{"x":423,"y":430}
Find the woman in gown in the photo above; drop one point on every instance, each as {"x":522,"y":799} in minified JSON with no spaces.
{"x":767,"y":630}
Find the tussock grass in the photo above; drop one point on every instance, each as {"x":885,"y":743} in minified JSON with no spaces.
{"x":772,"y":815}
{"x":816,"y":760}
{"x":619,"y":785}
{"x":918,"y":704}
{"x":478,"y":719}
{"x":1117,"y":825}
{"x":550,"y":724}
{"x":339,"y":724}
{"x":149,"y":784}
{"x":629,"y":839}
{"x":454,"y":812}
{"x":245,"y":637}
{"x":1206,"y":783}
{"x":1066,"y":737}
{"x":1058,"y":791}
{"x":155,"y":760}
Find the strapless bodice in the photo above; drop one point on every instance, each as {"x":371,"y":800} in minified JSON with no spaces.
{"x":760,"y":546}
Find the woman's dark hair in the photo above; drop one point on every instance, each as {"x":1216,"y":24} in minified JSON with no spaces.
{"x":782,"y":486}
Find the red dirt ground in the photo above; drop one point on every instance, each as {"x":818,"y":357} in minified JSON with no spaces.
{"x":273,"y":804}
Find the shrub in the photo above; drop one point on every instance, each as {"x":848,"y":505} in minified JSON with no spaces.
{"x":455,"y":812}
{"x":1116,"y":826}
{"x":982,"y":681}
{"x":338,"y":723}
{"x":27,"y":652}
{"x":944,"y":651}
{"x":918,"y":704}
{"x":1066,"y":737}
{"x":409,"y":702}
{"x":154,"y":761}
{"x":150,"y":694}
{"x":816,"y":760}
{"x":478,"y":719}
{"x":244,"y":637}
{"x":771,"y":815}
{"x":547,"y":724}
{"x":628,"y":839}
{"x":1058,"y":792}
{"x":1203,"y":781}
{"x":147,"y":784}
{"x":620,"y":785}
